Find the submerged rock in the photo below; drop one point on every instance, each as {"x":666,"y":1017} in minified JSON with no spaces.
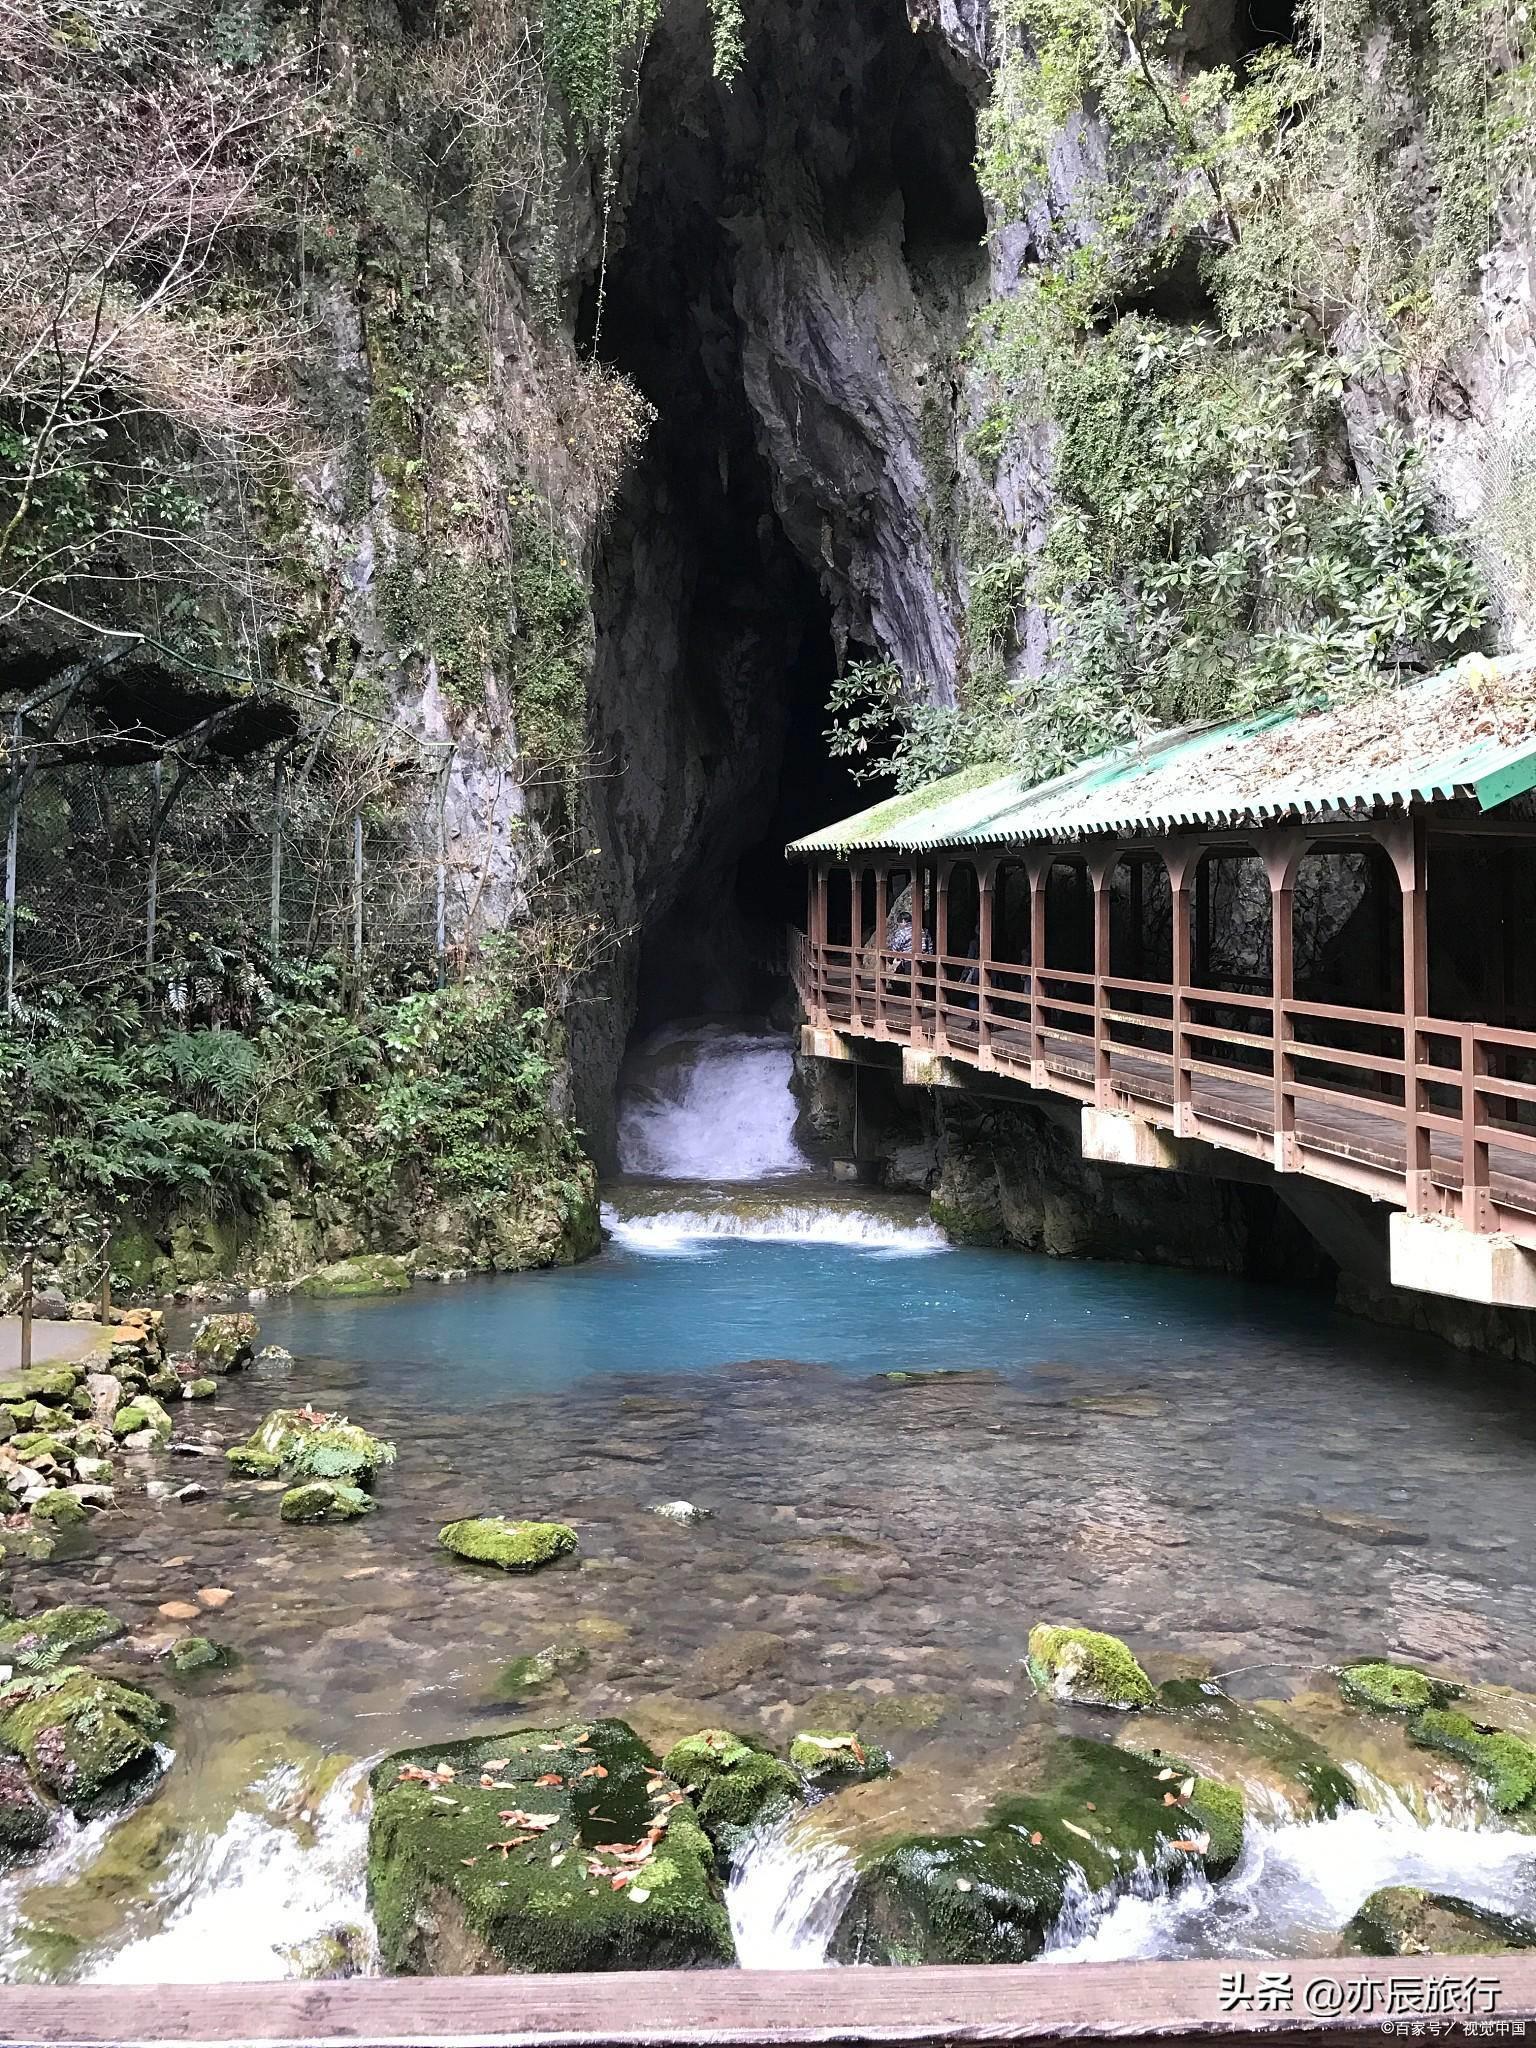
{"x":993,"y":1894}
{"x":368,"y":1273}
{"x":560,"y":1849}
{"x":1086,"y":1668}
{"x":736,"y":1783}
{"x":225,"y":1343}
{"x":514,"y":1546}
{"x":324,"y":1500}
{"x":543,"y":1667}
{"x":742,"y":1654}
{"x":274,"y":1358}
{"x":199,"y":1390}
{"x":1394,"y":1688}
{"x":83,"y":1738}
{"x":827,"y":1760}
{"x":681,"y":1511}
{"x":1195,"y":1719}
{"x":26,"y":1818}
{"x":196,"y":1653}
{"x":45,"y":1640}
{"x":1401,"y":1920}
{"x":339,"y":1952}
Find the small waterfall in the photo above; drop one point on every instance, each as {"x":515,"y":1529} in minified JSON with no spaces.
{"x":785,"y":1897}
{"x":709,"y":1102}
{"x":679,"y":1233}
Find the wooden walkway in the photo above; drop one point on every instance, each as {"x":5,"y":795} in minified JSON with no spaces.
{"x":1434,"y":1115}
{"x":1319,"y":2002}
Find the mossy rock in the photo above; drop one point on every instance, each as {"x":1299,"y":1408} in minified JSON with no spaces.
{"x":1083,"y":1667}
{"x":1401,"y":1920}
{"x":370,"y":1273}
{"x":225,"y":1343}
{"x":543,"y":1667}
{"x":456,"y":1888}
{"x":993,"y":1894}
{"x":166,"y":1384}
{"x":48,"y":1385}
{"x":826,"y":1760}
{"x":1394,"y":1688}
{"x":199,"y":1389}
{"x":249,"y":1464}
{"x":339,"y":1952}
{"x":191,"y":1654}
{"x":1505,"y":1763}
{"x":52,"y":1638}
{"x":737,"y":1785}
{"x":514,"y":1546}
{"x":26,"y":1819}
{"x":1313,"y":1780}
{"x":142,"y":1412}
{"x":84,"y":1738}
{"x":324,"y":1500}
{"x":59,"y":1510}
{"x":883,"y":1715}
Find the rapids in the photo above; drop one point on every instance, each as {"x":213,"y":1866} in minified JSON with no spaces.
{"x":1212,"y":1469}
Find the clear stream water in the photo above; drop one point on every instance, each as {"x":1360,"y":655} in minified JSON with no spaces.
{"x":1210,"y":1468}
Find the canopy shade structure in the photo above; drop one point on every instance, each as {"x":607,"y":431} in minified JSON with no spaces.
{"x":1467,"y":734}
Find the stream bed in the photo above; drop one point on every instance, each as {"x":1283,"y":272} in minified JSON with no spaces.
{"x":1213,"y":1470}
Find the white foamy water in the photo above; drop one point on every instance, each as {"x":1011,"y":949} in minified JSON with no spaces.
{"x":1297,"y":1885}
{"x":785,"y":1897}
{"x":684,"y":1233}
{"x":231,"y":1904}
{"x":708,"y":1102}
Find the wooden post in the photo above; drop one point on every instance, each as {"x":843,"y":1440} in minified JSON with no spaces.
{"x":941,"y":875}
{"x":882,"y":912}
{"x":1039,"y":866}
{"x":1476,"y":1196}
{"x":106,"y":1273}
{"x":1410,"y":859}
{"x":1181,"y":858}
{"x":12,"y":835}
{"x":28,"y":1260}
{"x":986,"y":884}
{"x":1101,"y":871}
{"x":1283,"y":855}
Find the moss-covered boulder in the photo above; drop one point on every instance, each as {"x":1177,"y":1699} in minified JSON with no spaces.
{"x":48,"y":1385}
{"x":539,"y":1669}
{"x":225,"y":1343}
{"x":1228,"y":1738}
{"x":827,"y":1760}
{"x":559,"y":1849}
{"x":83,"y":1738}
{"x":1101,"y":1817}
{"x":1086,"y":1668}
{"x":514,"y":1546}
{"x":1401,"y":1920}
{"x":200,"y":1389}
{"x":324,"y":1500}
{"x":303,"y":1444}
{"x":191,"y":1654}
{"x":58,"y":1510}
{"x":143,"y":1412}
{"x":370,"y":1273}
{"x":1394,"y":1688}
{"x":51,"y":1638}
{"x":1505,"y":1763}
{"x":736,"y":1783}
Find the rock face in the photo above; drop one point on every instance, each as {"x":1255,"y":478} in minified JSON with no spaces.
{"x":514,"y":1546}
{"x":558,"y":1849}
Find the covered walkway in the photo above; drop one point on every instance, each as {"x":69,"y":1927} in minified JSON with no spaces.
{"x":1300,"y":938}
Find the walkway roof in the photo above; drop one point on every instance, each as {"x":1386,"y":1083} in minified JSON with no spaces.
{"x":1467,"y":733}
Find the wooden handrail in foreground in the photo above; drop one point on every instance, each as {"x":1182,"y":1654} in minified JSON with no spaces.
{"x":1124,"y":2003}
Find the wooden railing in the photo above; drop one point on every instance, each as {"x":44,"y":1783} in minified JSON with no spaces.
{"x":1434,"y":1114}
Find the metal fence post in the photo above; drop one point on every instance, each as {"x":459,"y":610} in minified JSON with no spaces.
{"x":12,"y":835}
{"x":441,"y":933}
{"x":357,"y":898}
